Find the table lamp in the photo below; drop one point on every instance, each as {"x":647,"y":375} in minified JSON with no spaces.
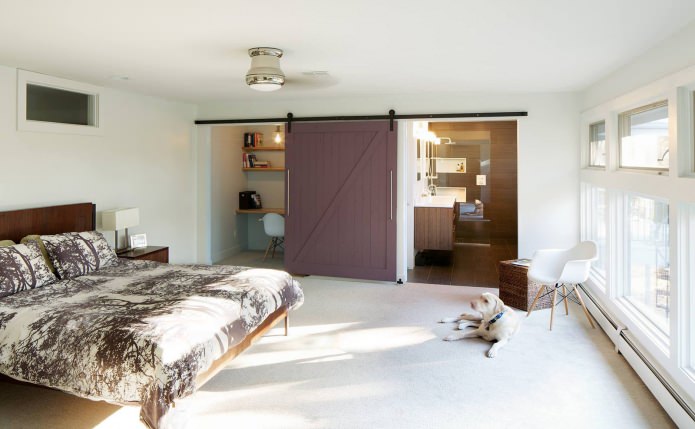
{"x":115,"y":220}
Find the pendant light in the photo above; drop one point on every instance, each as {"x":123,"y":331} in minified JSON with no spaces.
{"x":265,"y":73}
{"x":277,"y":135}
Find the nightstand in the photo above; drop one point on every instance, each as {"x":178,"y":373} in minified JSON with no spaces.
{"x":149,"y":253}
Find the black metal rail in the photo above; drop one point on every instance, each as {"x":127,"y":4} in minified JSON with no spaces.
{"x":391,"y":117}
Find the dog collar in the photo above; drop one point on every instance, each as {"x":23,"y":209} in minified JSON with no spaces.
{"x":497,"y":317}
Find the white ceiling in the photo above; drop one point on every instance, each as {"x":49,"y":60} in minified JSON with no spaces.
{"x":196,"y":50}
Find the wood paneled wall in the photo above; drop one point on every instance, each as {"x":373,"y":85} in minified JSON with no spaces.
{"x":500,"y":193}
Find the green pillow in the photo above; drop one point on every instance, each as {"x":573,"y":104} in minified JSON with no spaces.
{"x":6,"y":243}
{"x":44,"y":253}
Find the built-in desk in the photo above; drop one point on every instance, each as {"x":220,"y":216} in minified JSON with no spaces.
{"x":260,"y":211}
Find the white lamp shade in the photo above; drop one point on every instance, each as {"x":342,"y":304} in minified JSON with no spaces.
{"x":114,"y":220}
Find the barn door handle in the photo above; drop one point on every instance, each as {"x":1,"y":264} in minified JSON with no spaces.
{"x":288,"y":192}
{"x":391,"y":188}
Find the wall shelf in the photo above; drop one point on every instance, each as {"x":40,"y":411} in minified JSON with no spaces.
{"x":264,"y":169}
{"x":263,"y":148}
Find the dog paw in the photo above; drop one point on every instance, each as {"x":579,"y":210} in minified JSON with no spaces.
{"x":462,"y":326}
{"x":450,"y":338}
{"x":491,"y":353}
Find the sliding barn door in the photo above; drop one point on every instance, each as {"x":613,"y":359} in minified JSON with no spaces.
{"x":341,"y":200}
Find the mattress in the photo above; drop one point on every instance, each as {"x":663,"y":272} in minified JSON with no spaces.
{"x":139,"y":332}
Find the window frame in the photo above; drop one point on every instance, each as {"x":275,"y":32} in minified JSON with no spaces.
{"x":674,"y":356}
{"x":605,"y":144}
{"x":598,"y":278}
{"x":623,"y":124}
{"x":661,"y":337}
{"x":25,"y":78}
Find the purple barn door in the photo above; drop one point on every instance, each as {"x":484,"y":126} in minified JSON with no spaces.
{"x":341,"y":200}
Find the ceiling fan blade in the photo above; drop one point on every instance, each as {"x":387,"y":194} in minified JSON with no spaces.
{"x":311,"y":81}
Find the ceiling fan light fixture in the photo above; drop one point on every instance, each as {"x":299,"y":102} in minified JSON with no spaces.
{"x":265,"y":73}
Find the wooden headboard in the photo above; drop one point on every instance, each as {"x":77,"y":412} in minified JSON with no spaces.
{"x":16,"y":224}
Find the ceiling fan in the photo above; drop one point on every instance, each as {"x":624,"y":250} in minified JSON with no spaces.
{"x":266,"y":75}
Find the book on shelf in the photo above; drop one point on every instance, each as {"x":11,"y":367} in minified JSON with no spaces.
{"x":253,"y":139}
{"x":522,"y":262}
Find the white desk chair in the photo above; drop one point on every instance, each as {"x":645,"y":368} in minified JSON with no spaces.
{"x":274,"y":226}
{"x":562,"y":268}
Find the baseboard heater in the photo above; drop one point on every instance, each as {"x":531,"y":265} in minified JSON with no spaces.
{"x":679,"y":410}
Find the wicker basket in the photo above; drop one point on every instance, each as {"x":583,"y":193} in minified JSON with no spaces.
{"x":515,"y":289}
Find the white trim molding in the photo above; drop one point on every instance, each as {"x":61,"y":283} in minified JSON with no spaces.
{"x":25,"y":78}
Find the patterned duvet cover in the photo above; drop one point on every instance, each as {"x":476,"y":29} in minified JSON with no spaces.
{"x":139,"y":332}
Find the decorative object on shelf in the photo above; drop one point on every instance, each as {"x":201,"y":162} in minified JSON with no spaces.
{"x":138,"y":241}
{"x":115,"y":220}
{"x":277,"y":135}
{"x":246,"y":200}
{"x":256,"y":201}
{"x":448,"y":165}
{"x":265,"y":73}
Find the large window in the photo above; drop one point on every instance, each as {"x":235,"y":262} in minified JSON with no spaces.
{"x":647,"y":282}
{"x":645,"y":223}
{"x":597,"y":229}
{"x":597,"y":144}
{"x":644,"y":141}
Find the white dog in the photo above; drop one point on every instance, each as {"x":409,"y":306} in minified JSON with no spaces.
{"x":496,"y":322}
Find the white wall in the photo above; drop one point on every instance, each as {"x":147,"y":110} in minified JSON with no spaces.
{"x":666,"y":57}
{"x":143,"y":159}
{"x":227,"y":180}
{"x":548,"y":148}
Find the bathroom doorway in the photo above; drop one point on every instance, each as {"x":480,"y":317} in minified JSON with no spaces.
{"x":476,"y":163}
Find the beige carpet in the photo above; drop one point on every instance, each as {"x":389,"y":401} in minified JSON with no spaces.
{"x":366,"y":355}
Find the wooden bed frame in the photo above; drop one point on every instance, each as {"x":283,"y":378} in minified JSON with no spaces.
{"x":16,"y":224}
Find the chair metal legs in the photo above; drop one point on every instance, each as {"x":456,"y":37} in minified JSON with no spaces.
{"x":565,"y":296}
{"x":274,"y":243}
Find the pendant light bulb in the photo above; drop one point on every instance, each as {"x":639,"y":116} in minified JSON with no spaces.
{"x":277,"y":135}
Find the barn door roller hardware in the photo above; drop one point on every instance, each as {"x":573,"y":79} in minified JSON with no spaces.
{"x":391,"y":117}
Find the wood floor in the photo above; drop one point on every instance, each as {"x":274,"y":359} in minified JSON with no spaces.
{"x":470,"y":265}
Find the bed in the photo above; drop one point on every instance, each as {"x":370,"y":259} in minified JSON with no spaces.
{"x":137,"y":332}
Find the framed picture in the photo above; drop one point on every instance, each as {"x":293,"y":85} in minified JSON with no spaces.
{"x":138,"y":241}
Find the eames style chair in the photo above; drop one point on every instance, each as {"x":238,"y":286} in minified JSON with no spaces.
{"x":274,"y":227}
{"x":559,"y":270}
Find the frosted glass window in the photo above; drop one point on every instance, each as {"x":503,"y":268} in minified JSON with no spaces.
{"x":47,"y":104}
{"x":644,"y":137}
{"x":648,"y":283}
{"x":597,"y":144}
